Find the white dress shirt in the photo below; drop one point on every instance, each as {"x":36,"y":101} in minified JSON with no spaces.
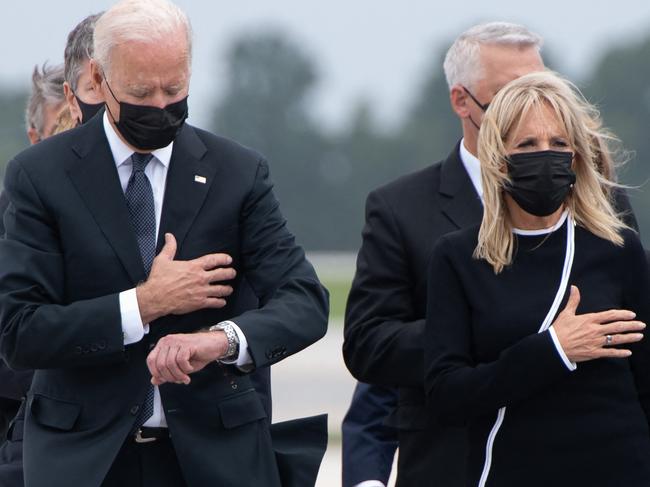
{"x":370,"y":483}
{"x":132,"y":326}
{"x":473,"y":168}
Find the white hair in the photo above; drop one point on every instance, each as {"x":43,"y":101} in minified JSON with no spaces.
{"x":463,"y":63}
{"x":138,"y":21}
{"x":47,"y":91}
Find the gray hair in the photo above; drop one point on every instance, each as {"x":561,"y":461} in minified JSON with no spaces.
{"x":47,"y":90}
{"x":79,"y":49}
{"x":463,"y":63}
{"x":140,"y":21}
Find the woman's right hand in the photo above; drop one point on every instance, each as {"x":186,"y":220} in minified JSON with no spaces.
{"x":594,"y":335}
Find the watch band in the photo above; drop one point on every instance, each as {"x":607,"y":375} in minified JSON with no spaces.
{"x":233,"y":340}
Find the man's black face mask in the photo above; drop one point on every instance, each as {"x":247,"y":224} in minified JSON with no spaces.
{"x":88,"y":110}
{"x":540,"y":181}
{"x":149,"y":128}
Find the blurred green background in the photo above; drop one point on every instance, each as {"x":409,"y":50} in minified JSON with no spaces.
{"x":323,"y":174}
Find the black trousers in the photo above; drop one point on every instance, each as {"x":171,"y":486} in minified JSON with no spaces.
{"x":151,"y":464}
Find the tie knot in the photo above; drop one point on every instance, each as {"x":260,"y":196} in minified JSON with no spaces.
{"x":140,"y":161}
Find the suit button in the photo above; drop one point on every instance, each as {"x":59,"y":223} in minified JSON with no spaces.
{"x":135,"y":409}
{"x":102,"y":345}
{"x":77,"y":350}
{"x":93,"y":347}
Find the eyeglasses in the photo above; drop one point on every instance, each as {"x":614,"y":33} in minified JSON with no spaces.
{"x":483,"y":106}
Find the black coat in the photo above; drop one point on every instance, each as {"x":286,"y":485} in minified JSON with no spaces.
{"x":368,"y":444}
{"x":533,"y":418}
{"x":69,"y":251}
{"x":384,"y":326}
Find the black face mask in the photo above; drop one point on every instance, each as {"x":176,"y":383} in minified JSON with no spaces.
{"x":540,"y":181}
{"x":88,"y":110}
{"x":149,"y":128}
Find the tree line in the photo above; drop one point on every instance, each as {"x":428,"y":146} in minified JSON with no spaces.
{"x":322,"y":176}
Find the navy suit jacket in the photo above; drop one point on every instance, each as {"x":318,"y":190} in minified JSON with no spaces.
{"x":68,"y":252}
{"x":369,"y":444}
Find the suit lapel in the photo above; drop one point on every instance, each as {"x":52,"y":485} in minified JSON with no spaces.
{"x":95,"y":177}
{"x":460,"y":202}
{"x":188,"y":181}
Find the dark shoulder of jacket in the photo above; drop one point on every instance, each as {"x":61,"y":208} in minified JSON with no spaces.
{"x":412,"y":190}
{"x":631,"y":248}
{"x":457,"y":246}
{"x":51,"y":152}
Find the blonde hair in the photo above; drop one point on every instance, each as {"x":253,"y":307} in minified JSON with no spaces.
{"x":590,"y":201}
{"x":64,"y":121}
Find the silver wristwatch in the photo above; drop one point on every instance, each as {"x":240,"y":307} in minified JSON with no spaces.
{"x":233,"y":340}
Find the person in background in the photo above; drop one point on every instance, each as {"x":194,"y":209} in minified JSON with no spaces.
{"x":47,"y":114}
{"x":535,"y":317}
{"x":84,"y":101}
{"x":64,"y":121}
{"x":368,"y":443}
{"x":43,"y":106}
{"x":385,"y":315}
{"x":45,"y":102}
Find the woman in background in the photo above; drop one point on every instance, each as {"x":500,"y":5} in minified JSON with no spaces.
{"x":552,"y":398}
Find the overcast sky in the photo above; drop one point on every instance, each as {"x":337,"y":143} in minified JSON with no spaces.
{"x":373,"y":48}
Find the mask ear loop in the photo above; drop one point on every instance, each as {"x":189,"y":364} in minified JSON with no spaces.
{"x":477,"y":126}
{"x":482,"y":106}
{"x":112,"y":94}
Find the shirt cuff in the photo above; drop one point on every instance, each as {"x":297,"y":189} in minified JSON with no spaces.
{"x":133,"y":330}
{"x":569,"y":365}
{"x":370,"y":483}
{"x":244,"y":359}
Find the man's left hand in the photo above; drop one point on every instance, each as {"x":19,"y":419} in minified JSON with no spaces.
{"x":177,"y":356}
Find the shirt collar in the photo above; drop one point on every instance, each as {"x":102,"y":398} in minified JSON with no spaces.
{"x":543,"y":231}
{"x":122,"y":152}
{"x":473,"y":168}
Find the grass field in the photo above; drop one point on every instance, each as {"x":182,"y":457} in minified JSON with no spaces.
{"x":339,"y":289}
{"x":335,"y":270}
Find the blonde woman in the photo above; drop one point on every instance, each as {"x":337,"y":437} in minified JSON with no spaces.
{"x":535,"y":318}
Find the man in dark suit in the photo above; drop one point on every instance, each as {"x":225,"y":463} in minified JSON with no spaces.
{"x":368,"y":443}
{"x":386,"y":307}
{"x":127,"y":238}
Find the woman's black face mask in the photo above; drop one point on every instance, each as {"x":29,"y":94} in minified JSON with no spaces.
{"x":540,"y":181}
{"x":149,"y":128}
